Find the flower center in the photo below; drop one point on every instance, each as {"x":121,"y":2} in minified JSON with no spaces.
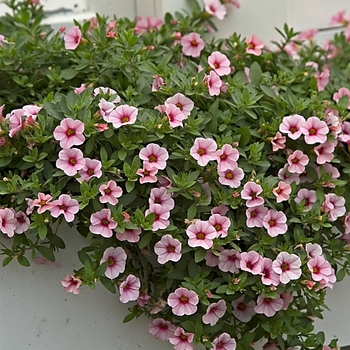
{"x":152,"y":158}
{"x":70,"y":132}
{"x":179,"y":105}
{"x":183,"y":337}
{"x":229,"y":176}
{"x":284,"y":267}
{"x":278,"y":190}
{"x":251,"y":46}
{"x":218,"y":227}
{"x":62,"y":207}
{"x":223,"y":156}
{"x":43,"y":202}
{"x":272,"y":223}
{"x":21,"y":220}
{"x":125,"y":119}
{"x":72,"y":161}
{"x":315,"y":270}
{"x":105,"y":222}
{"x":253,"y":214}
{"x":194,"y":43}
{"x":170,"y":249}
{"x":201,"y":151}
{"x":219,"y":345}
{"x":293,"y":129}
{"x":146,"y":173}
{"x":184,"y":299}
{"x":200,"y":235}
{"x":216,"y":65}
{"x":110,"y":261}
{"x":241,"y":306}
{"x":312,"y":131}
{"x":90,"y":172}
{"x":295,"y":160}
{"x":107,"y":191}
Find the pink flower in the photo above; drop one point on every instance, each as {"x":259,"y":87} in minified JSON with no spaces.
{"x":174,"y":114}
{"x":106,"y":108}
{"x":255,"y":216}
{"x":231,"y":177}
{"x":324,"y":152}
{"x":221,"y":209}
{"x":254,"y":45}
{"x":123,"y":115}
{"x":291,"y":126}
{"x":307,"y":34}
{"x":342,"y":92}
{"x":147,"y":173}
{"x":229,"y":261}
{"x":338,"y":18}
{"x":203,"y":150}
{"x":192,"y":44}
{"x":287,"y":299}
{"x":314,"y":130}
{"x":161,"y":329}
{"x":64,"y":205}
{"x":219,"y":62}
{"x":287,"y":266}
{"x":278,"y":142}
{"x":168,"y":249}
{"x":268,"y":306}
{"x":23,"y":222}
{"x":269,"y":276}
{"x":92,"y":168}
{"x":16,"y":121}
{"x":110,"y":192}
{"x":227,"y":157}
{"x":132,"y":236}
{"x":71,"y":284}
{"x":181,"y":340}
{"x":162,"y":215}
{"x":211,"y":259}
{"x":145,"y":24}
{"x":129,"y":289}
{"x":251,"y":262}
{"x":116,"y":258}
{"x":334,"y":205}
{"x":201,"y":234}
{"x":287,"y":177}
{"x":154,"y":155}
{"x":79,"y":90}
{"x":322,"y":79}
{"x":297,"y":162}
{"x":31,"y":111}
{"x":158,"y":82}
{"x":8,"y":222}
{"x":275,"y":223}
{"x":313,"y":250}
{"x":214,"y":83}
{"x":183,"y":301}
{"x":220,"y":223}
{"x":108,"y":92}
{"x":70,"y":160}
{"x":42,"y":202}
{"x":224,"y":342}
{"x":250,"y":192}
{"x":215,"y":8}
{"x":69,"y":133}
{"x":72,"y":38}
{"x":182,"y":102}
{"x":160,"y":196}
{"x":243,"y":311}
{"x":320,"y":268}
{"x":102,"y":223}
{"x":214,"y":312}
{"x":309,"y":196}
{"x":282,"y":192}
{"x":2,"y":40}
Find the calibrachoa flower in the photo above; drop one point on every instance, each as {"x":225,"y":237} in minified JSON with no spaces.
{"x":203,"y":150}
{"x":23,"y":222}
{"x":162,"y":215}
{"x":160,"y":196}
{"x":250,"y":192}
{"x":102,"y":223}
{"x":183,"y":301}
{"x":92,"y":168}
{"x":214,"y":83}
{"x":123,"y":115}
{"x":288,"y":177}
{"x":275,"y":223}
{"x":182,"y":102}
{"x":314,"y":130}
{"x":282,"y":192}
{"x":8,"y":222}
{"x":243,"y":311}
{"x":297,"y":162}
{"x":227,"y":157}
{"x":154,"y":155}
{"x":278,"y":142}
{"x":215,"y":8}
{"x":116,"y":259}
{"x":324,"y":152}
{"x":168,"y":248}
{"x":224,"y":342}
{"x":145,"y":24}
{"x":342,"y":92}
{"x":64,"y":205}
{"x":132,"y":236}
{"x":229,"y":261}
{"x":291,"y":126}
{"x":287,"y":299}
{"x":220,"y":223}
{"x":313,"y":250}
{"x":287,"y":266}
{"x":251,"y":262}
{"x":174,"y":114}
{"x":211,"y":259}
{"x":254,"y":45}
{"x":16,"y":121}
{"x":70,"y":160}
{"x":71,"y":284}
{"x":129,"y":289}
{"x":255,"y":216}
{"x":334,"y":205}
{"x":322,"y":79}
{"x":147,"y":173}
{"x":42,"y":202}
{"x":108,"y":92}
{"x":231,"y":177}
{"x":161,"y":329}
{"x":320,"y":268}
{"x":69,"y":133}
{"x":268,"y":306}
{"x":181,"y":340}
{"x":214,"y":312}
{"x":201,"y":234}
{"x":219,"y":62}
{"x":221,"y":209}
{"x":110,"y":192}
{"x":72,"y":38}
{"x":268,"y":275}
{"x":309,"y":196}
{"x":192,"y":44}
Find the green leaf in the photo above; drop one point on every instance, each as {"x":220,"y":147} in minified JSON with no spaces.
{"x":255,"y":73}
{"x":7,"y":260}
{"x":129,"y":186}
{"x":244,"y":132}
{"x":122,"y":153}
{"x":69,"y":73}
{"x":146,"y":238}
{"x":199,"y":255}
{"x":192,"y":211}
{"x":5,"y":161}
{"x":23,"y":261}
{"x":56,"y":241}
{"x":340,"y":275}
{"x":129,"y":317}
{"x":46,"y":252}
{"x":42,"y":230}
{"x":108,"y":284}
{"x":101,"y":269}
